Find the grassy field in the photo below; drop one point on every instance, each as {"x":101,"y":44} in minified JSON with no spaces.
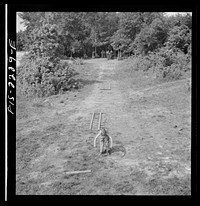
{"x":149,"y":121}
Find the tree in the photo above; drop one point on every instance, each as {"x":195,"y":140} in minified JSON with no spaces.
{"x":73,"y":31}
{"x":100,"y":27}
{"x":120,"y":42}
{"x":179,"y":20}
{"x":31,"y":20}
{"x":76,"y":47}
{"x":93,"y":24}
{"x":151,"y":37}
{"x":41,"y":72}
{"x":180,"y":38}
{"x":127,"y":28}
{"x":187,"y":20}
{"x":134,"y":27}
{"x":89,"y":29}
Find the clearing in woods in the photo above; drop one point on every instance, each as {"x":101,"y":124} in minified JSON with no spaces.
{"x":149,"y":121}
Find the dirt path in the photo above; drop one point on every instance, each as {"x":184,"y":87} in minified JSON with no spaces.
{"x":120,"y":124}
{"x":137,"y":142}
{"x":151,"y":139}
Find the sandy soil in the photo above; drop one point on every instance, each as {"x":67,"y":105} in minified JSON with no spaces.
{"x":149,"y":121}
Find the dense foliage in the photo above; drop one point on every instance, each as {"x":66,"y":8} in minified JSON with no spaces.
{"x":165,"y":63}
{"x":41,"y":72}
{"x":80,"y":32}
{"x":172,"y":56}
{"x":138,"y":32}
{"x":158,"y":42}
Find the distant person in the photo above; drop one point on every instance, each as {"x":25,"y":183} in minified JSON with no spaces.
{"x":93,"y":54}
{"x":102,"y":54}
{"x":110,"y":54}
{"x":107,"y":54}
{"x":85,"y":56}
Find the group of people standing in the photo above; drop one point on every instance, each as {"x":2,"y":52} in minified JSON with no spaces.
{"x":108,"y":54}
{"x":104,"y":54}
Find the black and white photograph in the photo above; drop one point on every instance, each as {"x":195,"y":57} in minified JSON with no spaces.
{"x":103,"y":103}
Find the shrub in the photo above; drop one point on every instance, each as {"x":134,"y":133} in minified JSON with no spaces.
{"x":43,"y":78}
{"x":166,"y":63}
{"x":78,"y":61}
{"x":147,"y":62}
{"x":41,"y":72}
{"x":169,"y":72}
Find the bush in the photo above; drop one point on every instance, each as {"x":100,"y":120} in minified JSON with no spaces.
{"x":169,"y":72}
{"x":143,"y":62}
{"x":78,"y":61}
{"x":166,"y":63}
{"x":43,"y":78}
{"x":41,"y":73}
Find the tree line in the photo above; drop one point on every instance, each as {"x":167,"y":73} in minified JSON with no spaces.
{"x":157,"y":41}
{"x":81,"y":33}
